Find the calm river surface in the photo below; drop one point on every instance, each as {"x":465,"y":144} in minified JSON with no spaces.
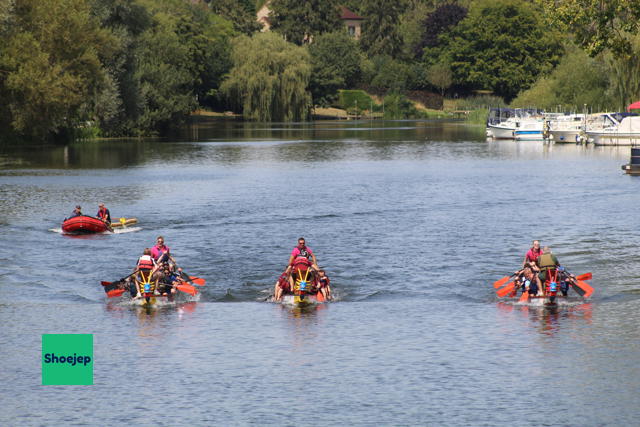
{"x":413,"y":221}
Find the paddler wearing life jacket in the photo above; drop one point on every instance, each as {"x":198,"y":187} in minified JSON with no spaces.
{"x":548,"y":264}
{"x":282,"y":285}
{"x":146,"y":267}
{"x":531,"y":257}
{"x":104,"y":214}
{"x":301,"y":259}
{"x":161,"y":252}
{"x":529,"y":281}
{"x":324,"y":285}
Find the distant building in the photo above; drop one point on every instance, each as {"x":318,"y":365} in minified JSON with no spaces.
{"x":352,"y":22}
{"x":263,"y":16}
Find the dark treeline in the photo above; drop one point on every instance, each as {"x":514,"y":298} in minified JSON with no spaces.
{"x":86,"y":68}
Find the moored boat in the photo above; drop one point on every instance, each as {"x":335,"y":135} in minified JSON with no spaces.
{"x":626,"y":132}
{"x":83,"y":224}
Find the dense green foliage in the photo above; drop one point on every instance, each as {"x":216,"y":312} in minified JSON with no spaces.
{"x":597,"y":25}
{"x":269,"y":78}
{"x":241,"y":13}
{"x":501,"y":46}
{"x":336,"y":63}
{"x":355,"y":99}
{"x":301,"y":21}
{"x":51,"y":62}
{"x":576,"y":81}
{"x":380,"y":32}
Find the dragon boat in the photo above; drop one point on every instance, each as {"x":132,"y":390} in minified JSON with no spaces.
{"x":306,"y":292}
{"x":147,"y":291}
{"x":556,"y":286}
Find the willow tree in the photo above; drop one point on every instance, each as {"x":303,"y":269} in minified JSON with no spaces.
{"x":269,"y":78}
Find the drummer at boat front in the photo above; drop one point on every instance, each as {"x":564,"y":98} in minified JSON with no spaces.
{"x":531,"y":258}
{"x":104,"y":214}
{"x":161,"y":252}
{"x":304,"y":251}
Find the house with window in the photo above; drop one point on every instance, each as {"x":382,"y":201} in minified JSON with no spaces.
{"x":352,"y":22}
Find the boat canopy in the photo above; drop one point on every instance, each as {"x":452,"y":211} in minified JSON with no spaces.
{"x":634,"y":106}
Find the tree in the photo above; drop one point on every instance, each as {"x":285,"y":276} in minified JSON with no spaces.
{"x":439,"y":21}
{"x":501,"y":46}
{"x":596,"y":24}
{"x":336,"y":64}
{"x":241,"y":13}
{"x":301,"y":21}
{"x":269,"y":78}
{"x":440,"y":76}
{"x":380,"y":32}
{"x":52,"y":67}
{"x":576,"y":81}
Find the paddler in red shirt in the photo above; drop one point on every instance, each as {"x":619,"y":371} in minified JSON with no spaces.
{"x":531,"y":258}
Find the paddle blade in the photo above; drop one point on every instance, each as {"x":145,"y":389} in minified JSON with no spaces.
{"x":578,"y":290}
{"x":501,"y":282}
{"x":188,"y":289}
{"x":588,"y":290}
{"x":105,"y":283}
{"x":504,"y":291}
{"x":198,"y":281}
{"x":585,"y":276}
{"x":524,"y":297}
{"x":115,"y":293}
{"x":320,"y":297}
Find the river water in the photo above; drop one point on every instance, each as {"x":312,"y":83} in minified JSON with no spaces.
{"x":413,"y":222}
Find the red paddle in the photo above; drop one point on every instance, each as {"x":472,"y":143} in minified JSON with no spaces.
{"x":504,"y":291}
{"x":585,"y":276}
{"x":588,"y":290}
{"x":502,"y":281}
{"x":186,"y":288}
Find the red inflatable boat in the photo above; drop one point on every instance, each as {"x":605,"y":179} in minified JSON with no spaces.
{"x":83,"y":224}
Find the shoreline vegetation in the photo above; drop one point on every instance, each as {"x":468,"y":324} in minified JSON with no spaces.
{"x":82,"y":69}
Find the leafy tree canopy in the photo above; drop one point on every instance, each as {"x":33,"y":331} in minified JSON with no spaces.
{"x":336,"y":64}
{"x":269,"y":78}
{"x":241,"y":13}
{"x":596,"y":24}
{"x":380,"y":32}
{"x":52,"y":69}
{"x":501,"y":46}
{"x":576,"y":81}
{"x":301,"y":21}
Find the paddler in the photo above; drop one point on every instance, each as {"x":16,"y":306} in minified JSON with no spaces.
{"x":323,"y":285}
{"x":161,"y":252}
{"x":547,"y":262}
{"x":76,"y":212}
{"x":530,"y":282}
{"x":301,"y":254}
{"x":531,"y":258}
{"x":282,"y":285}
{"x":303,"y":251}
{"x":104,"y":214}
{"x":146,"y":267}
